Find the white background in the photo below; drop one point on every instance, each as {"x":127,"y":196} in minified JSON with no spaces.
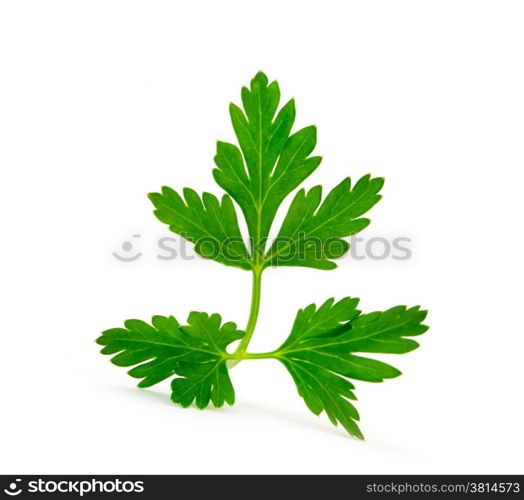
{"x":104,"y":101}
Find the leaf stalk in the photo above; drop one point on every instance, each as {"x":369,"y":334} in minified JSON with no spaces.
{"x":241,"y":351}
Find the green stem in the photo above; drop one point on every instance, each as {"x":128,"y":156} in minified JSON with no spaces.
{"x":254,"y":355}
{"x":240,"y":352}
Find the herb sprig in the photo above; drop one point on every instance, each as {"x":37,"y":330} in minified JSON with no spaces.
{"x":325,"y":347}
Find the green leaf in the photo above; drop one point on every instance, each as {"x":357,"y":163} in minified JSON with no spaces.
{"x":212,"y":226}
{"x":196,"y":352}
{"x":323,"y":352}
{"x":320,"y":353}
{"x":272,"y":162}
{"x":310,"y":235}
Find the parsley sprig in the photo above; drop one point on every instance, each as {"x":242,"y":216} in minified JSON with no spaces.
{"x":324,"y":350}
